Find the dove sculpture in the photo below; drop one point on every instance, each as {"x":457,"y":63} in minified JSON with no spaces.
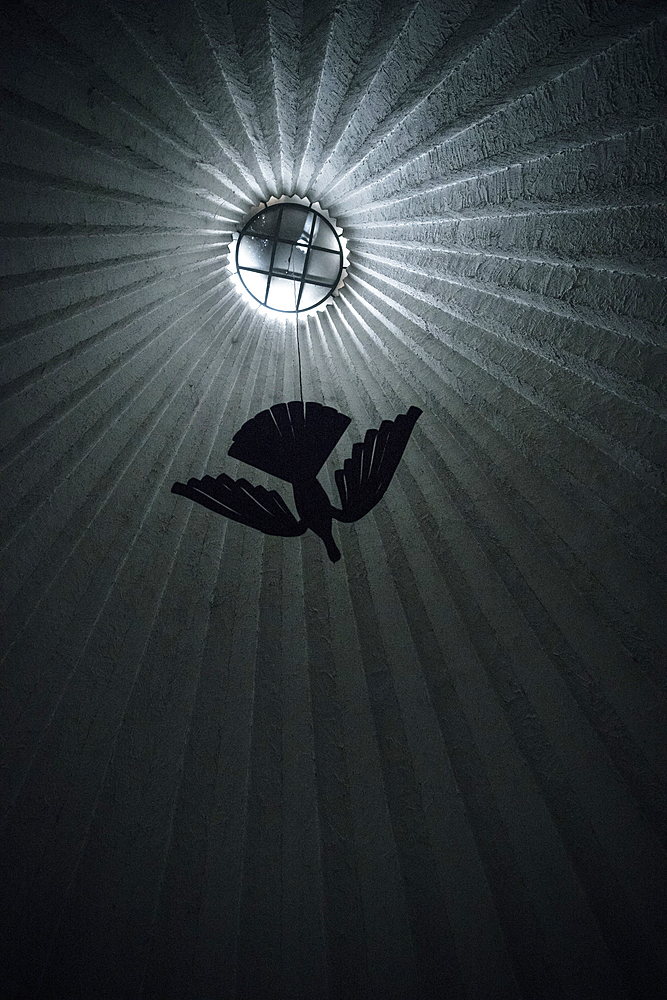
{"x":292,"y":441}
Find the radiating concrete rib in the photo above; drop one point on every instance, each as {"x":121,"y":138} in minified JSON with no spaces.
{"x":96,"y":97}
{"x":203,"y":574}
{"x":46,"y":524}
{"x":93,"y":513}
{"x":329,"y":60}
{"x":422,"y":30}
{"x":388,"y":548}
{"x":613,"y":487}
{"x":398,"y":508}
{"x":599,"y":356}
{"x":239,"y":765}
{"x":221,"y":689}
{"x":522,"y":121}
{"x":535,"y":181}
{"x":641,"y":457}
{"x":44,"y":138}
{"x":261,"y":64}
{"x":138,"y":536}
{"x":647,"y":695}
{"x":138,"y":25}
{"x":100,"y":317}
{"x":606,"y":299}
{"x":64,"y":441}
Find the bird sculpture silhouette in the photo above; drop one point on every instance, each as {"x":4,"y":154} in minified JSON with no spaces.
{"x":293,"y":441}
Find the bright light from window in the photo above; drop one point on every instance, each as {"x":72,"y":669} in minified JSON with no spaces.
{"x":289,"y":257}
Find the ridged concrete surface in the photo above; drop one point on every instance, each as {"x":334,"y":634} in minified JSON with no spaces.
{"x":232,"y":769}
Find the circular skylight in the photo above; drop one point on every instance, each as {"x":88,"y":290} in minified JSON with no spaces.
{"x":289,"y":257}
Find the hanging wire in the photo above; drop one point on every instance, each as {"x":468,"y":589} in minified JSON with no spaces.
{"x":298,"y":350}
{"x":296,"y":323}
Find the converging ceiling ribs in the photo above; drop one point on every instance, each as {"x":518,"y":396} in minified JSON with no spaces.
{"x":232,"y":767}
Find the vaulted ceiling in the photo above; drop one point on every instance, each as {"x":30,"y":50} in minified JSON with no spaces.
{"x":232,"y":768}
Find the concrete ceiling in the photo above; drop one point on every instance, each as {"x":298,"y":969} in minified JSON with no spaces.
{"x":231,"y":768}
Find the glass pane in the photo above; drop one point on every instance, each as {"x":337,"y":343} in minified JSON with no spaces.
{"x":265,"y":222}
{"x":311,"y":295}
{"x":255,"y":252}
{"x":323,"y":266}
{"x":255,"y":283}
{"x":289,"y":258}
{"x":323,"y":236}
{"x":282,"y":294}
{"x":296,"y":223}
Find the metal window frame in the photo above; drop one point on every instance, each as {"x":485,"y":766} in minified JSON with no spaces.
{"x":272,"y":272}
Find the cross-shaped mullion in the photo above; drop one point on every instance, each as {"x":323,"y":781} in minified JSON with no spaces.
{"x":273,"y":255}
{"x":305,"y":264}
{"x":308,"y":244}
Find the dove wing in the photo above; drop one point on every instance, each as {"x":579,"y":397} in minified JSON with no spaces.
{"x":364,"y":478}
{"x":241,"y":501}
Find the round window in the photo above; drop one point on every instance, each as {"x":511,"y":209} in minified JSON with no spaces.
{"x":289,"y":257}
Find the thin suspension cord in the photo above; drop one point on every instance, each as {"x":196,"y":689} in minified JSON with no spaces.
{"x":298,"y":349}
{"x":296,"y":324}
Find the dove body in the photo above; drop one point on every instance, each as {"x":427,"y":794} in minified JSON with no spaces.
{"x":292,"y":441}
{"x":316,"y":512}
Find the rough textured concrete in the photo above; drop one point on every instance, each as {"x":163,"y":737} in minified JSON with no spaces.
{"x":230,"y":768}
